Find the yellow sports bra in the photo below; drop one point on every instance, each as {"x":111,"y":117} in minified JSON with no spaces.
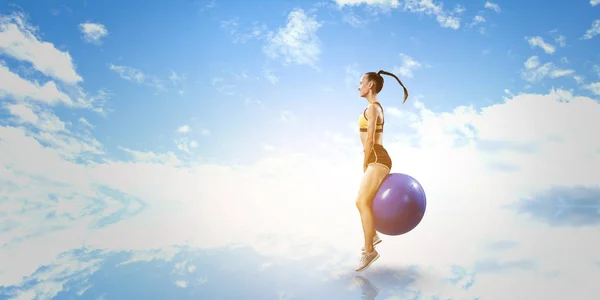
{"x":363,"y":122}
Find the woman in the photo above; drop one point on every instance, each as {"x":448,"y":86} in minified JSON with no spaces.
{"x":377,"y":163}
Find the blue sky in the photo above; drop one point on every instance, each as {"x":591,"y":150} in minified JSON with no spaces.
{"x":141,"y":136}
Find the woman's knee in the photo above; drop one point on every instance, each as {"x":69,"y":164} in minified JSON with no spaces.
{"x":362,"y":203}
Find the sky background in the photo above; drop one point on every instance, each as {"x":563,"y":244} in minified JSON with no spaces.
{"x":206,"y":149}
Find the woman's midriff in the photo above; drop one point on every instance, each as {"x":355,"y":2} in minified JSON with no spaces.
{"x":378,"y":138}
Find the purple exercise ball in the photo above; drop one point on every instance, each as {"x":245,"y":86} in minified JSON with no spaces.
{"x":399,"y":204}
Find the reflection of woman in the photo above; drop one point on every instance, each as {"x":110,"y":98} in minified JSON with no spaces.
{"x":367,"y":289}
{"x":377,"y":163}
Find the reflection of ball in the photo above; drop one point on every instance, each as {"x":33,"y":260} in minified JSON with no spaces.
{"x":399,"y":204}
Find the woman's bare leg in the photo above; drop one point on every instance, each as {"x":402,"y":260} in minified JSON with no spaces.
{"x":372,"y":178}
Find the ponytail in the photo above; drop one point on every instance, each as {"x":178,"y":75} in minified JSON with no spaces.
{"x":391,"y":74}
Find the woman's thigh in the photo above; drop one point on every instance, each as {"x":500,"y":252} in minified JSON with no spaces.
{"x":372,"y":178}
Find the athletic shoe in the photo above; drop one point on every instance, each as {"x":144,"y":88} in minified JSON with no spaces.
{"x":376,"y":241}
{"x":367,"y":259}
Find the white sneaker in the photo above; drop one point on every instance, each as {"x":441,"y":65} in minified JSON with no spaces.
{"x":367,"y":259}
{"x":376,"y":239}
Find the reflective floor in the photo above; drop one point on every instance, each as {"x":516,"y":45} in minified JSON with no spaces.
{"x":229,"y":273}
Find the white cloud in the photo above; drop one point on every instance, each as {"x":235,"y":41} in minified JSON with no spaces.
{"x":532,"y":62}
{"x":36,"y":177}
{"x":132,"y":74}
{"x":245,"y":33}
{"x":354,"y":20}
{"x":178,"y":198}
{"x":556,"y":72}
{"x":459,"y":9}
{"x":93,"y":32}
{"x":18,"y":40}
{"x":57,"y":274}
{"x":51,"y":131}
{"x":297,"y":42}
{"x":561,"y":40}
{"x":50,"y":93}
{"x":407,"y":67}
{"x":535,"y":71}
{"x":493,"y":6}
{"x":43,"y":120}
{"x":167,"y":159}
{"x":177,"y":78}
{"x":23,"y":112}
{"x":94,"y":102}
{"x":85,"y":122}
{"x":594,"y":2}
{"x":210,"y":5}
{"x":478,"y":19}
{"x":164,"y":253}
{"x":593,"y":87}
{"x":128,"y":73}
{"x":181,"y":283}
{"x":543,"y":127}
{"x":392,"y":3}
{"x":373,"y":9}
{"x":223,"y":86}
{"x":537,"y":41}
{"x":446,"y":18}
{"x":184,"y":129}
{"x":186,"y":145}
{"x":14,"y":86}
{"x":593,"y":30}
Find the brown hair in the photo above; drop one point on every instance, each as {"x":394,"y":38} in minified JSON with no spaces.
{"x":379,"y":81}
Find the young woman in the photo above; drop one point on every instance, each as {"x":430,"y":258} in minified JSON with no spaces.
{"x":377,"y":163}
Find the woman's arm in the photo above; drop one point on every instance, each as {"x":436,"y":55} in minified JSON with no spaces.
{"x":370,"y":140}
